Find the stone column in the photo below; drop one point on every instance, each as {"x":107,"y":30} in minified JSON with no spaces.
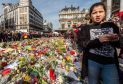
{"x":109,"y":9}
{"x":121,"y":5}
{"x":121,"y":10}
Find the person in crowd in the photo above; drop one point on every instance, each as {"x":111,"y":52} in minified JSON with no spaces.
{"x":5,"y":36}
{"x":100,"y":39}
{"x":9,"y":36}
{"x":19,"y":35}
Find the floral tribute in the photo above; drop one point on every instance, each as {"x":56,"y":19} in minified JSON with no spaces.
{"x":38,"y":61}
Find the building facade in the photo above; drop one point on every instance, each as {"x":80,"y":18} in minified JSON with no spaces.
{"x":22,"y":16}
{"x":71,"y":15}
{"x":113,"y":6}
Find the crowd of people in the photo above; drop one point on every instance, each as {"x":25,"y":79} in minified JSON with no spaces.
{"x":7,"y":36}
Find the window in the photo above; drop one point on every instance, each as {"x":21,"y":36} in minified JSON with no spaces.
{"x":23,"y":19}
{"x":25,"y":9}
{"x":21,"y":10}
{"x":68,"y":25}
{"x":63,"y":26}
{"x":23,"y":27}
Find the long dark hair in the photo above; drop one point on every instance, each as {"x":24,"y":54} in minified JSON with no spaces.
{"x":94,"y":5}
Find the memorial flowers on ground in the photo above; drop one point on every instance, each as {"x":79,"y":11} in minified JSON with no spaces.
{"x":41,"y":61}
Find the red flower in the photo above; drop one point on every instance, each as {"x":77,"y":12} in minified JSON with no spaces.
{"x":36,"y":79}
{"x":6,"y":71}
{"x":40,"y":53}
{"x":52,"y":74}
{"x":4,"y":64}
{"x":75,"y":30}
{"x":75,"y":60}
{"x":72,"y":52}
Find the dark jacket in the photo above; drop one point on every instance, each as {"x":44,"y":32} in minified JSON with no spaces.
{"x":87,"y":43}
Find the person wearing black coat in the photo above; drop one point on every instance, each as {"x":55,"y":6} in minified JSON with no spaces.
{"x":99,"y":41}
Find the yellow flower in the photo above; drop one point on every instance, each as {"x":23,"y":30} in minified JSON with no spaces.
{"x":68,"y":58}
{"x":67,"y":69}
{"x":18,"y":71}
{"x":43,"y":82}
{"x":19,"y":48}
{"x":63,"y":62}
{"x":31,"y":56}
{"x":79,"y":77}
{"x":27,"y":78}
{"x":22,"y":59}
{"x":74,"y":68}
